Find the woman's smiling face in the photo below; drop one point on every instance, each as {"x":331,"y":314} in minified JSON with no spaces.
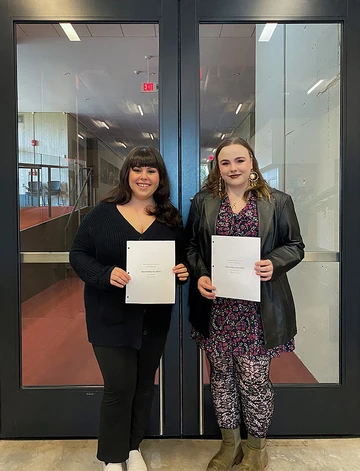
{"x":235,"y":164}
{"x":143,"y":181}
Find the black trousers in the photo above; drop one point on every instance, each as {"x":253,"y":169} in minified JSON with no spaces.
{"x":128,"y":393}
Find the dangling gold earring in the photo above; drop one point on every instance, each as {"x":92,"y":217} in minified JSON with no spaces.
{"x":253,"y":177}
{"x":220,"y":187}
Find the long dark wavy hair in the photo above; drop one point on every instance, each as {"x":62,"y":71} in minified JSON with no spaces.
{"x":145,"y":156}
{"x":260,"y":188}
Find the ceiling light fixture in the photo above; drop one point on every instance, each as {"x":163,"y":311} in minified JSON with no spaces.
{"x":315,"y":86}
{"x":122,"y":144}
{"x":70,"y":31}
{"x":238,"y":108}
{"x":222,"y":136}
{"x":105,"y":125}
{"x":81,"y":137}
{"x":214,"y":150}
{"x":151,"y":136}
{"x":267,"y":32}
{"x":140,"y":110}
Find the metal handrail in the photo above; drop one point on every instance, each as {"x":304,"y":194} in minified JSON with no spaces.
{"x":90,"y":171}
{"x":73,"y":191}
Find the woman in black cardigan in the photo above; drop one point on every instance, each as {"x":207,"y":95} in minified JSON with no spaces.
{"x":241,"y":337}
{"x":128,"y":339}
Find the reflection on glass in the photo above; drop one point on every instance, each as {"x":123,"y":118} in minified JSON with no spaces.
{"x":282,"y":94}
{"x":55,"y":349}
{"x":46,"y":189}
{"x":317,"y":341}
{"x":78,"y":116}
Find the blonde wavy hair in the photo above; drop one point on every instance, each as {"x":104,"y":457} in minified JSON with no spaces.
{"x":259,"y":188}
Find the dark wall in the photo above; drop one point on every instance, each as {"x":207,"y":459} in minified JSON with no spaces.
{"x":36,"y":277}
{"x":47,"y":237}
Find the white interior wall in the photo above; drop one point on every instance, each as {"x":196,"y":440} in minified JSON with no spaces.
{"x":107,"y":155}
{"x":270,"y":95}
{"x":50,"y":132}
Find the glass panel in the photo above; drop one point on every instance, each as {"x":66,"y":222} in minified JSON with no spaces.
{"x":55,"y":349}
{"x":81,"y":107}
{"x":318,"y":318}
{"x":297,"y":126}
{"x":34,"y":183}
{"x":282,"y":95}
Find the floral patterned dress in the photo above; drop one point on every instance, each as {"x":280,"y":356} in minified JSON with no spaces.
{"x":235,"y":325}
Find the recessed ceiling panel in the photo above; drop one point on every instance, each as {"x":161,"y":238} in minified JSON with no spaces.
{"x":40,"y":30}
{"x":136,"y":30}
{"x":238,"y":31}
{"x":105,"y":30}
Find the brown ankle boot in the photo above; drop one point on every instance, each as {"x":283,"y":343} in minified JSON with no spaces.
{"x":230,"y":452}
{"x":255,"y":455}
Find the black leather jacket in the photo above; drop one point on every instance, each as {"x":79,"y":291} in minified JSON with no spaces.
{"x":281,"y":243}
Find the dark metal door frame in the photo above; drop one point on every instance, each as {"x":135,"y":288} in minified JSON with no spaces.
{"x":52,"y":412}
{"x":301,"y":410}
{"x":73,"y":411}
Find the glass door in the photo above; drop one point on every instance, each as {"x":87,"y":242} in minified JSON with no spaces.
{"x":280,"y":86}
{"x":78,"y":113}
{"x":82,"y":105}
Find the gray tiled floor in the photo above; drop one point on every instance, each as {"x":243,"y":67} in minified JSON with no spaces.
{"x":179,"y":455}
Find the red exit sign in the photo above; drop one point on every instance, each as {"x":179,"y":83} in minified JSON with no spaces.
{"x":148,"y":87}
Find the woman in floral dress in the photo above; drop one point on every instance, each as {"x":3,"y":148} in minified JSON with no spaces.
{"x":241,"y":337}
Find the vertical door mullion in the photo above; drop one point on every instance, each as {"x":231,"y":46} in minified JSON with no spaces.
{"x":169,"y":147}
{"x":190,"y":93}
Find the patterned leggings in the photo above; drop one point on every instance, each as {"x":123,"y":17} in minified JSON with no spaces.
{"x":232,"y":377}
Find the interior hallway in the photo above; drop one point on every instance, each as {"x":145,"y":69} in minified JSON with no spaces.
{"x":179,"y":455}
